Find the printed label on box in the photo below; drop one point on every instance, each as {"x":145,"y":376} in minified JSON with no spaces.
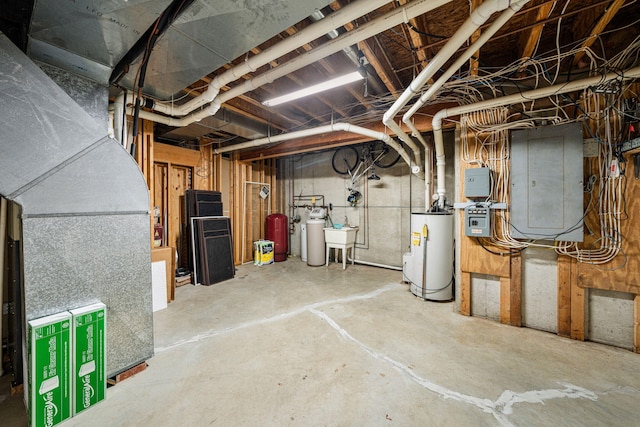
{"x":49,"y":382}
{"x":89,"y":378}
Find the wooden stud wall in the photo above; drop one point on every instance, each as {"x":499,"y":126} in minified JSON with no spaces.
{"x":566,"y":273}
{"x":574,"y":278}
{"x":474,"y":259}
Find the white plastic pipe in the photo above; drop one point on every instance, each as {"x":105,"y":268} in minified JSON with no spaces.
{"x":335,"y":127}
{"x":512,"y":99}
{"x":330,"y":22}
{"x":478,"y":17}
{"x":370,"y":29}
{"x":484,"y":37}
{"x":375,"y":264}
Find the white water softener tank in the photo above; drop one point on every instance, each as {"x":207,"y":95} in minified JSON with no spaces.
{"x":303,"y":242}
{"x":429,"y":265}
{"x":315,"y":242}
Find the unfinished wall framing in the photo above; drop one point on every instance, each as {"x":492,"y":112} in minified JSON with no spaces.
{"x":606,"y":261}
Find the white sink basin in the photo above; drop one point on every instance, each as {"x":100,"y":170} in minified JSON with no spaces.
{"x":341,"y":236}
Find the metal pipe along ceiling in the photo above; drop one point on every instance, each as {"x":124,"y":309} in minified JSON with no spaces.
{"x":512,"y":99}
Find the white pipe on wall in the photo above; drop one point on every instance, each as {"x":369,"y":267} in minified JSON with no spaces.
{"x":370,"y":29}
{"x":318,"y":29}
{"x":478,"y":17}
{"x":512,"y":99}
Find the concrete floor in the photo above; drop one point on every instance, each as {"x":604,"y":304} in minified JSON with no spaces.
{"x":288,"y":344}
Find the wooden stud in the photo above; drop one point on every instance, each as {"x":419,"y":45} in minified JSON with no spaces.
{"x":515,"y":291}
{"x":564,"y":296}
{"x":465,"y":293}
{"x":510,"y":294}
{"x":505,"y":300}
{"x":636,"y":324}
{"x":127,"y":374}
{"x":577,"y":307}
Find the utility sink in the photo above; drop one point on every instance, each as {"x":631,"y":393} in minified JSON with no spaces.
{"x":340,"y":236}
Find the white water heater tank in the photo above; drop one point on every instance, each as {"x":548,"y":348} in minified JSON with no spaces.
{"x":429,"y":265}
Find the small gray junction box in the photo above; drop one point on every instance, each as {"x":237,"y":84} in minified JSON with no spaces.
{"x":477,"y":183}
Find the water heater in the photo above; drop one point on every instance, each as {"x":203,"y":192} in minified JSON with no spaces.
{"x":429,"y":265}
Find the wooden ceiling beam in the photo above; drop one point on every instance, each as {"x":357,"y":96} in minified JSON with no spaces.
{"x":608,"y":15}
{"x":535,"y":32}
{"x":380,"y":62}
{"x":416,"y":39}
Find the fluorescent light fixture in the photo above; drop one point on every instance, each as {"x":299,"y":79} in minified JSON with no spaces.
{"x":329,"y":84}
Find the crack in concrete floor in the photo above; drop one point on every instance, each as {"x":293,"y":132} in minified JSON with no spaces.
{"x":500,"y":408}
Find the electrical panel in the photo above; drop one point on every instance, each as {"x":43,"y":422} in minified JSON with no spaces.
{"x":477,"y":220}
{"x":477,"y":183}
{"x":546,"y":183}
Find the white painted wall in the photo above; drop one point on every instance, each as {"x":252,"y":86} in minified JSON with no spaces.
{"x":485,"y":296}
{"x":383,"y":214}
{"x":610,"y":318}
{"x":540,"y":289}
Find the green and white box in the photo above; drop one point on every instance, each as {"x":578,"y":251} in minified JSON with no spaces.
{"x":89,"y":385}
{"x":49,"y":382}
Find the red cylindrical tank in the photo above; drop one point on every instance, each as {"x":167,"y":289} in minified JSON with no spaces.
{"x":278,"y":232}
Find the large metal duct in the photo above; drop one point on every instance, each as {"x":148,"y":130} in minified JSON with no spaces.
{"x":84,"y":209}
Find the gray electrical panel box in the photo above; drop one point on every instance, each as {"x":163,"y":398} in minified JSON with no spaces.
{"x":477,"y":220}
{"x":546,"y":183}
{"x":477,"y":183}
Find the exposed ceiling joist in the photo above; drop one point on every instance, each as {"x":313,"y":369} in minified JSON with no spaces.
{"x":608,"y":15}
{"x":535,"y":32}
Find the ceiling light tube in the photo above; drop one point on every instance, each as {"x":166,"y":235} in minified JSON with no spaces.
{"x":320,"y":87}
